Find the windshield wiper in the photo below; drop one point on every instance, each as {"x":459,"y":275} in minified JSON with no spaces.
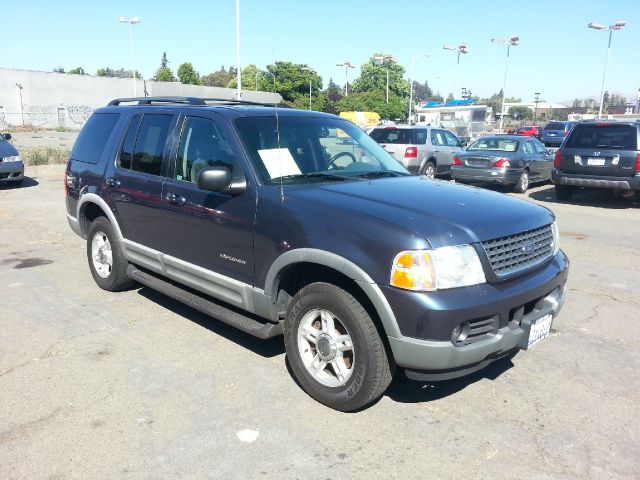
{"x":329,"y":176}
{"x":381,"y":173}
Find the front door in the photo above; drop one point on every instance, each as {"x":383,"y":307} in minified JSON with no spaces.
{"x":210,"y":230}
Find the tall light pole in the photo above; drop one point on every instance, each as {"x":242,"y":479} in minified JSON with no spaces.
{"x":311,"y":72}
{"x":132,"y":21}
{"x":20,"y":87}
{"x":462,"y":48}
{"x":413,"y":68}
{"x":238,"y":72}
{"x":536,"y":101}
{"x":513,"y":40}
{"x":347,"y":65}
{"x":619,"y":25}
{"x":380,"y":60}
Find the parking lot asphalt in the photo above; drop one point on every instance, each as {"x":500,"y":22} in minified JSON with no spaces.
{"x":135,"y":385}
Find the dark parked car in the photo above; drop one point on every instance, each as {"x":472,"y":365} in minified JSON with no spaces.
{"x":510,"y":160}
{"x":599,"y":154}
{"x":11,"y":165}
{"x":554,"y":133}
{"x":260,"y":218}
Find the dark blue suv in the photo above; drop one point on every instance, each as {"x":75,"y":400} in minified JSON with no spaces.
{"x":267,"y":219}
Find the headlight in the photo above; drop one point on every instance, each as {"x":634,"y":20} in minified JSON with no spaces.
{"x":15,"y":158}
{"x":556,"y":237}
{"x":445,"y":267}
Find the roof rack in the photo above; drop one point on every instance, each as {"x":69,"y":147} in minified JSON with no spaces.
{"x":196,"y":101}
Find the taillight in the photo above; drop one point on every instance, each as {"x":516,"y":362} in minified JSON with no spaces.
{"x":557,"y":158}
{"x":411,"y":152}
{"x":565,"y":133}
{"x":503,"y":162}
{"x":638,"y":163}
{"x":456,"y":161}
{"x":66,"y":184}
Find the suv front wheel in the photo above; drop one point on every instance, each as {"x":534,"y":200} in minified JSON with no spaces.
{"x":106,"y":260}
{"x":334,"y":348}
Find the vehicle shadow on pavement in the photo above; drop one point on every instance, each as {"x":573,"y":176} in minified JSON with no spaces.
{"x":26,"y":183}
{"x":266,"y":348}
{"x":590,"y":198}
{"x":404,"y":390}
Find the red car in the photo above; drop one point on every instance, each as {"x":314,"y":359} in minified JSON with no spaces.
{"x":530,"y":131}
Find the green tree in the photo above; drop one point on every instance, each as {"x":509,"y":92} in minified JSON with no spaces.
{"x":120,"y":73}
{"x":373,"y":76}
{"x":164,"y":73}
{"x":59,"y":70}
{"x":577,"y":102}
{"x":188,"y":75}
{"x":293,"y":82}
{"x":251,"y":79}
{"x":76,"y":71}
{"x":521,"y":113}
{"x":422,"y":92}
{"x":219,"y":78}
{"x":450,"y":97}
{"x":332,"y":94}
{"x":375,"y":101}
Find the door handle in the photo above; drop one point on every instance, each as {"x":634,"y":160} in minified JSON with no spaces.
{"x":175,"y":199}
{"x":112,"y":182}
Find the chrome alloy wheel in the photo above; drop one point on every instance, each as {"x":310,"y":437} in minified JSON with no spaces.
{"x":326,"y":348}
{"x":101,"y":254}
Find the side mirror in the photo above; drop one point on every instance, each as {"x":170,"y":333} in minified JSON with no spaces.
{"x":6,"y":136}
{"x":220,"y":179}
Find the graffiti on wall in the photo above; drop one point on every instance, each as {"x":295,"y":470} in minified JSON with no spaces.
{"x":79,"y":114}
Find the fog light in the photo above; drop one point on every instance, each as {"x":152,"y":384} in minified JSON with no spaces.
{"x":460,"y":333}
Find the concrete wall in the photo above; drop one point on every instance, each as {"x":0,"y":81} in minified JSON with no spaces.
{"x":51,"y":100}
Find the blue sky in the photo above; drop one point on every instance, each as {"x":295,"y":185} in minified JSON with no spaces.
{"x":558,"y":55}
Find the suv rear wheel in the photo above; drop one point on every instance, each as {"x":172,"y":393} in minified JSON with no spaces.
{"x":334,"y":348}
{"x":564,"y":192}
{"x":429,"y":169}
{"x":106,"y":260}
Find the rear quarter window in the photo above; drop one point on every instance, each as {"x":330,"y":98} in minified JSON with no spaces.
{"x":93,"y":137}
{"x":609,"y":137}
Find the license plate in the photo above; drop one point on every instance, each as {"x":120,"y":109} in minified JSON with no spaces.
{"x":595,"y":161}
{"x":539,"y":330}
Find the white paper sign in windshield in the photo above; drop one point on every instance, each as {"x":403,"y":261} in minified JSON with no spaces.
{"x":279,"y":162}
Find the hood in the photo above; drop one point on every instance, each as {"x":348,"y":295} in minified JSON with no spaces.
{"x":6,"y":149}
{"x":442,"y":212}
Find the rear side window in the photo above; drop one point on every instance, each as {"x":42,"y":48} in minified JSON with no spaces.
{"x":420,"y":136}
{"x":611,"y":137}
{"x":145,"y":153}
{"x":93,"y":137}
{"x":392,"y":135}
{"x":554,"y":126}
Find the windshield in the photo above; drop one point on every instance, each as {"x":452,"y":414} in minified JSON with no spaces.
{"x":311,"y":149}
{"x":495,"y":144}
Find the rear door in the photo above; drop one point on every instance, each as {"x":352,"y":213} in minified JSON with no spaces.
{"x":441,"y":150}
{"x":605,"y":149}
{"x":532,"y":157}
{"x":136,"y":185}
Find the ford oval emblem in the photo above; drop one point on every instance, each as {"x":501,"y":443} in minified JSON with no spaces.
{"x":528,"y":248}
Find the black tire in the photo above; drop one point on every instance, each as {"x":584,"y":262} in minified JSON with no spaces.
{"x":116,"y":279}
{"x":17,"y":183}
{"x":429,"y":170}
{"x":371,"y":371}
{"x":564,"y":192}
{"x":523,"y":182}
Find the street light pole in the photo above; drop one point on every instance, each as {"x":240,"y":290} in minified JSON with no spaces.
{"x":413,"y":68}
{"x":347,"y":65}
{"x":238,"y":72}
{"x":379,"y":60}
{"x":21,"y":104}
{"x":619,"y":25}
{"x":311,"y":72}
{"x":535,"y":111}
{"x":462,"y":48}
{"x":513,"y":40}
{"x":132,"y":21}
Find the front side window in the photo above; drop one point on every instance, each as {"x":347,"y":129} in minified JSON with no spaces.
{"x":303,"y":149}
{"x":202,"y":145}
{"x":452,"y":140}
{"x":494,"y":144}
{"x":437,"y":138}
{"x":145,"y":154}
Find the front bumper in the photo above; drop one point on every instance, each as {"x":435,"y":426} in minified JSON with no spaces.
{"x":11,"y":171}
{"x":503,"y":176}
{"x":595,"y":181}
{"x":511,"y":307}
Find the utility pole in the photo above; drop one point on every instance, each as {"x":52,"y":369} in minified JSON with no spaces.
{"x":536,"y":101}
{"x":21,"y":105}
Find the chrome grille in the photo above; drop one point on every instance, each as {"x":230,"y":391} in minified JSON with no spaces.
{"x":520,"y":251}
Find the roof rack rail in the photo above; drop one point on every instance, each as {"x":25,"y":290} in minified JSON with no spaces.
{"x":189,"y":101}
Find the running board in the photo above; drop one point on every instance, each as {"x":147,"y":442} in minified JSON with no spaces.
{"x":230,"y":317}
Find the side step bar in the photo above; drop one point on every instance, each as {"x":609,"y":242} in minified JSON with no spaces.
{"x":225,"y":315}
